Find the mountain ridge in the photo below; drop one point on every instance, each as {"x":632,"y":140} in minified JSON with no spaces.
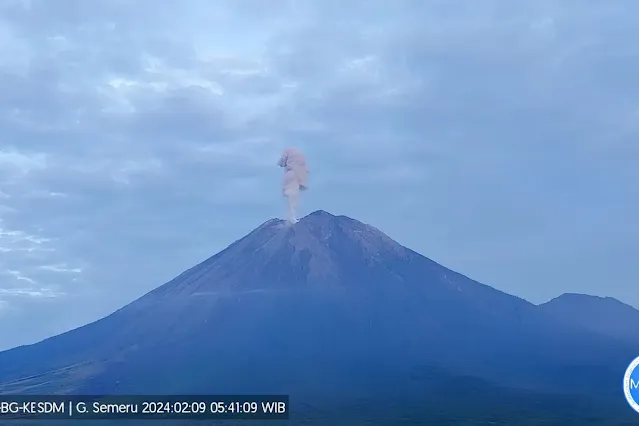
{"x":601,"y":315}
{"x":588,"y":297}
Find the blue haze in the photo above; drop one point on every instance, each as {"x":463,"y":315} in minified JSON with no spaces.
{"x":497,"y":137}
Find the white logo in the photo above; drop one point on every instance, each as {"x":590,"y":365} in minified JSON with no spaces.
{"x":631,"y":385}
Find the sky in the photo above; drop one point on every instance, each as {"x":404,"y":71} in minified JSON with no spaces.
{"x":138,"y":138}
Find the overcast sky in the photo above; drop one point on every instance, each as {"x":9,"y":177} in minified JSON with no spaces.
{"x":138,"y":138}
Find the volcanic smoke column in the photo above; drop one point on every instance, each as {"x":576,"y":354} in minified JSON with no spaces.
{"x":295,"y":179}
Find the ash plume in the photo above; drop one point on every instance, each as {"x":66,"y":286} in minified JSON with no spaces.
{"x":295,"y":179}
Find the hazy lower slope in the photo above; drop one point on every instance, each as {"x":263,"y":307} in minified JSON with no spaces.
{"x":459,"y":401}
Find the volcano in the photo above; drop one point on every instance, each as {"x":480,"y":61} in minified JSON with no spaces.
{"x":325,"y":307}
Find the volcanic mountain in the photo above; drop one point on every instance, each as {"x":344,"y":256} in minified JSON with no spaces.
{"x":327,"y":306}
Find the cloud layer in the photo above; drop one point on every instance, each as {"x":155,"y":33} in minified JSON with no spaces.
{"x":497,"y":137}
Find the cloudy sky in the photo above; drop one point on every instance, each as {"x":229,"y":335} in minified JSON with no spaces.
{"x":138,"y":138}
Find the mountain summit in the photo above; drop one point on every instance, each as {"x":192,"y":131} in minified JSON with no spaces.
{"x":280,"y":255}
{"x":602,"y":315}
{"x":325,"y":306}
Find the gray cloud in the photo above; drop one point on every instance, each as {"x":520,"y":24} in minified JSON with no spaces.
{"x":505,"y":130}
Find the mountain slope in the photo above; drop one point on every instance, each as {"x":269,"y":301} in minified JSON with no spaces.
{"x":326,"y":307}
{"x":603,"y":315}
